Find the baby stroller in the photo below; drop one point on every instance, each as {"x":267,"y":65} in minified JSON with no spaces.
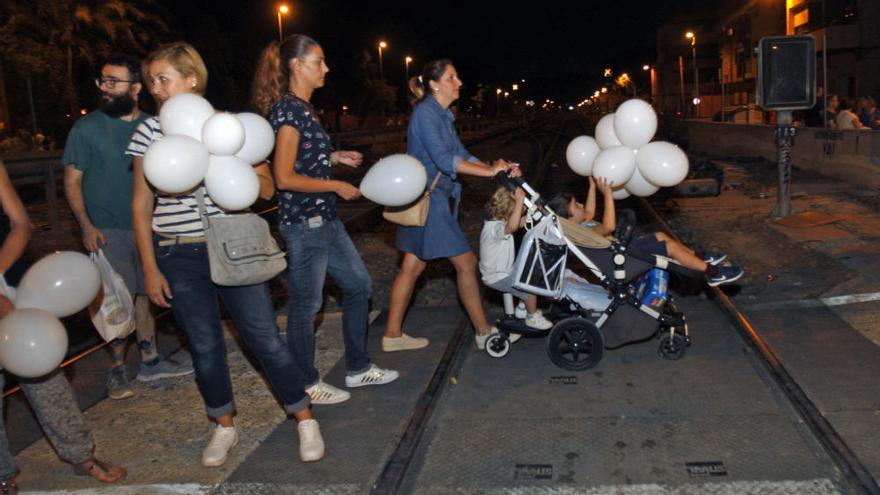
{"x":635,"y":306}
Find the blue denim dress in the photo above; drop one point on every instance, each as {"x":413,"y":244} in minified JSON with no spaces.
{"x":432,"y":139}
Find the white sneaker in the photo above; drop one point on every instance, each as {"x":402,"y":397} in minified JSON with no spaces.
{"x":520,"y":312}
{"x":537,"y":321}
{"x":325,"y":394}
{"x":373,"y":376}
{"x":480,"y":340}
{"x":222,"y":441}
{"x":311,"y":444}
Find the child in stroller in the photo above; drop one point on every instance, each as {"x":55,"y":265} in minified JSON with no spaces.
{"x":565,"y":205}
{"x":497,"y":254}
{"x":635,"y":307}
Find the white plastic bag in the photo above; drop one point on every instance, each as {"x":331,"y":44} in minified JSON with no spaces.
{"x":112,"y":311}
{"x":540,"y":263}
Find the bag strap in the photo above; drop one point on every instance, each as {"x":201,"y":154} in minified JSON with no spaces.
{"x":434,"y":184}
{"x":203,"y":212}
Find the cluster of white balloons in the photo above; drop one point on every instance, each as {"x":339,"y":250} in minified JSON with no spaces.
{"x":217,"y":147}
{"x":32,"y":339}
{"x":623,"y":153}
{"x":395,"y":180}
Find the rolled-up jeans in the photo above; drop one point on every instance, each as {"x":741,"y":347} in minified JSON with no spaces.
{"x":312,"y":252}
{"x":196,"y":310}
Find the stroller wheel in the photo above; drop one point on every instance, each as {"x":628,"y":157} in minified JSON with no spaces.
{"x":497,"y":346}
{"x":575,"y":344}
{"x":672,"y":347}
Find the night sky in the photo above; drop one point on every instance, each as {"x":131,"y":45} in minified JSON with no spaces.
{"x":558,"y":47}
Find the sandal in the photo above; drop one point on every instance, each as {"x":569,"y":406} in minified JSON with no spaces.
{"x":100,"y":470}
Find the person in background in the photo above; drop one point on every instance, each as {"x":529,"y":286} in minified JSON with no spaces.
{"x":317,"y":243}
{"x":171,"y":243}
{"x":869,"y":115}
{"x":51,"y":396}
{"x":847,"y":118}
{"x":831,"y":111}
{"x":432,"y":139}
{"x":98,"y":184}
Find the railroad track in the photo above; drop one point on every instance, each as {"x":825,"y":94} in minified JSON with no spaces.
{"x":853,"y":475}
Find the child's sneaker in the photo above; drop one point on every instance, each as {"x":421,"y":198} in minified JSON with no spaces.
{"x":373,"y":376}
{"x":520,"y":312}
{"x":714,"y":258}
{"x":726,"y":274}
{"x":537,"y":321}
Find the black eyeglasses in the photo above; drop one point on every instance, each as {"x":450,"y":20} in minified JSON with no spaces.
{"x":110,"y":82}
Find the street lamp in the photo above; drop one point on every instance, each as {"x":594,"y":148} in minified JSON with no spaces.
{"x":282,"y":9}
{"x":696,"y":92}
{"x":408,"y":60}
{"x":382,"y":45}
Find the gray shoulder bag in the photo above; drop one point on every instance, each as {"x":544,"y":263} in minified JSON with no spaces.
{"x":241,"y":250}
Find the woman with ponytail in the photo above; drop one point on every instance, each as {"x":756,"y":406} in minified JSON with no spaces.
{"x":317,"y":243}
{"x":433,"y":140}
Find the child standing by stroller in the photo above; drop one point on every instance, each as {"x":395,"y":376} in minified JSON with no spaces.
{"x":498,"y":253}
{"x":658,"y":243}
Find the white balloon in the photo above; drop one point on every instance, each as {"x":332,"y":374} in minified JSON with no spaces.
{"x":638,"y":186}
{"x":259,"y":138}
{"x":662,"y":164}
{"x":223,"y":134}
{"x":232,"y":183}
{"x":61,"y":283}
{"x":185,"y":114}
{"x":605,"y":136}
{"x":395,"y":180}
{"x":616,"y":164}
{"x":580,"y":154}
{"x":32,"y":342}
{"x":175,"y":164}
{"x":635,"y":123}
{"x":620,"y":193}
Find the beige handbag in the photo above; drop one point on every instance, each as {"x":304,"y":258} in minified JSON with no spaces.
{"x":414,"y":214}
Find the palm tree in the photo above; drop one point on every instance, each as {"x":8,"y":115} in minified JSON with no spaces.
{"x":43,"y":35}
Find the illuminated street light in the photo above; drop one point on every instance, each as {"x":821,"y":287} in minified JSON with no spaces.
{"x":382,"y":45}
{"x":646,"y":67}
{"x":604,"y":89}
{"x":696,"y":92}
{"x":408,"y":60}
{"x":515,"y":87}
{"x":282,"y":9}
{"x":608,"y":72}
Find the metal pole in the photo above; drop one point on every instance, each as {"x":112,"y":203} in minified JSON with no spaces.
{"x":784,"y":133}
{"x":381,"y":70}
{"x":681,"y":83}
{"x":696,"y":76}
{"x":280,"y":32}
{"x":824,"y":76}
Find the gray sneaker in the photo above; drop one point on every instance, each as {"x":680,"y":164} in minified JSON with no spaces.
{"x":118,"y":386}
{"x":166,"y":368}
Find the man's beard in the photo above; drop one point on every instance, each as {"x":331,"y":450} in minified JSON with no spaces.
{"x":117,"y":105}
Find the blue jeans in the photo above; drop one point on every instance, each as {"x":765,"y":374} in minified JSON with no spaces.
{"x":197,"y":310}
{"x":311,"y":254}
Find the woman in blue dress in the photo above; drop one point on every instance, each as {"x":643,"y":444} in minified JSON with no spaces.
{"x":432,"y":139}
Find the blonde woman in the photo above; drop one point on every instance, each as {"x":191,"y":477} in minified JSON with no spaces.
{"x":171,"y":245}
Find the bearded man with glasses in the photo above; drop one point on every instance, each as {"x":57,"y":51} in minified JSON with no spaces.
{"x":98,"y":185}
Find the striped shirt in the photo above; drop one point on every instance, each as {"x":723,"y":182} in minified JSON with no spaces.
{"x":174,"y":214}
